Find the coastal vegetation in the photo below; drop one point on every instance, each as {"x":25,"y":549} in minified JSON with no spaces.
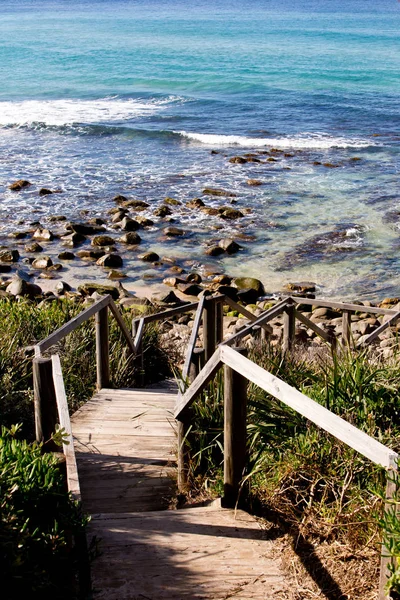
{"x":311,"y":488}
{"x":324,"y":497}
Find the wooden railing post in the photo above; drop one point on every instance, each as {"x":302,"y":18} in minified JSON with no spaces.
{"x":235,"y":413}
{"x":220,"y":322}
{"x":46,"y":414}
{"x":184,"y":423}
{"x":289,"y":328}
{"x":391,"y":487}
{"x":102,"y":349}
{"x":209,"y":328}
{"x":346,"y":328}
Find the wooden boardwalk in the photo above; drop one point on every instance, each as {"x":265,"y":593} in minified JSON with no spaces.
{"x":125,"y":445}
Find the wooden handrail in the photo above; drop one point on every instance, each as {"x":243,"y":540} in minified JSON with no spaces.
{"x":71,"y":325}
{"x":268,"y":315}
{"x":193,"y":337}
{"x":65,"y":423}
{"x":185,"y":400}
{"x":312,"y":410}
{"x":312,"y":326}
{"x":343,"y":306}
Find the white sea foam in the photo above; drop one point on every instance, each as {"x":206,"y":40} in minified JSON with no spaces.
{"x":304,"y":141}
{"x":67,"y":112}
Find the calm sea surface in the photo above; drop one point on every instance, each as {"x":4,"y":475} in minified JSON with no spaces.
{"x":125,"y":96}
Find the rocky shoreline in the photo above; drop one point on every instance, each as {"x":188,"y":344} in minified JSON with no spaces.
{"x":35,"y":259}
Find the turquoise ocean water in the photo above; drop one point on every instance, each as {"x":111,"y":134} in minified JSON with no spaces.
{"x":125,"y":96}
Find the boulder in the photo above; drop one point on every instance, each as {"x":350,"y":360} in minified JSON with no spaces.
{"x":18,"y":235}
{"x":149,"y":257}
{"x":229,"y":245}
{"x":116,"y":274}
{"x":33,"y":247}
{"x":189,"y":289}
{"x":87,"y":289}
{"x":172,"y":201}
{"x":144,"y":221}
{"x":62,"y":287}
{"x":103,"y":240}
{"x":162,"y":211}
{"x":8,"y":256}
{"x":66,"y":255}
{"x":214,"y":251}
{"x":110,"y":260}
{"x":85,"y":228}
{"x":73,"y":239}
{"x":45,"y":192}
{"x":209,"y":210}
{"x":231,"y":214}
{"x":194,"y":278}
{"x":128,"y":224}
{"x":254,"y":182}
{"x":42,"y":234}
{"x":118,"y":216}
{"x":120,"y":198}
{"x":248,"y":295}
{"x":244,"y":283}
{"x":239,"y":160}
{"x":173,"y":232}
{"x":173,"y":281}
{"x":44,"y":262}
{"x":301,"y":286}
{"x":21,"y":287}
{"x":195,"y":203}
{"x":219,"y":192}
{"x":131,"y":238}
{"x":19,"y":185}
{"x":57,"y":218}
{"x":90,"y":254}
{"x":169,"y":298}
{"x":135,"y":204}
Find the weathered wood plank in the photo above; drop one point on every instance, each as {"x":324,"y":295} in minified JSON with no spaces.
{"x":63,"y":412}
{"x":204,"y":377}
{"x":268,"y":315}
{"x":312,"y":326}
{"x":343,"y":306}
{"x":122,"y":325}
{"x":191,"y":554}
{"x":193,"y":338}
{"x":372,"y":336}
{"x":338,"y":427}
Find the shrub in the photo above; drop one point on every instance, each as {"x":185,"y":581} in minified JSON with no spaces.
{"x":37,"y":520}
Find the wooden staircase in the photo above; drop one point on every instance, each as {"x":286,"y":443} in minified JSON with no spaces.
{"x":125,"y":446}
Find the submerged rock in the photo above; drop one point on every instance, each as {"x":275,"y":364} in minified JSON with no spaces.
{"x":103,"y":240}
{"x":18,"y":185}
{"x":149,"y":257}
{"x":173,"y":232}
{"x":33,"y":247}
{"x":229,"y":245}
{"x":219,"y":192}
{"x":231,"y":213}
{"x":45,"y":192}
